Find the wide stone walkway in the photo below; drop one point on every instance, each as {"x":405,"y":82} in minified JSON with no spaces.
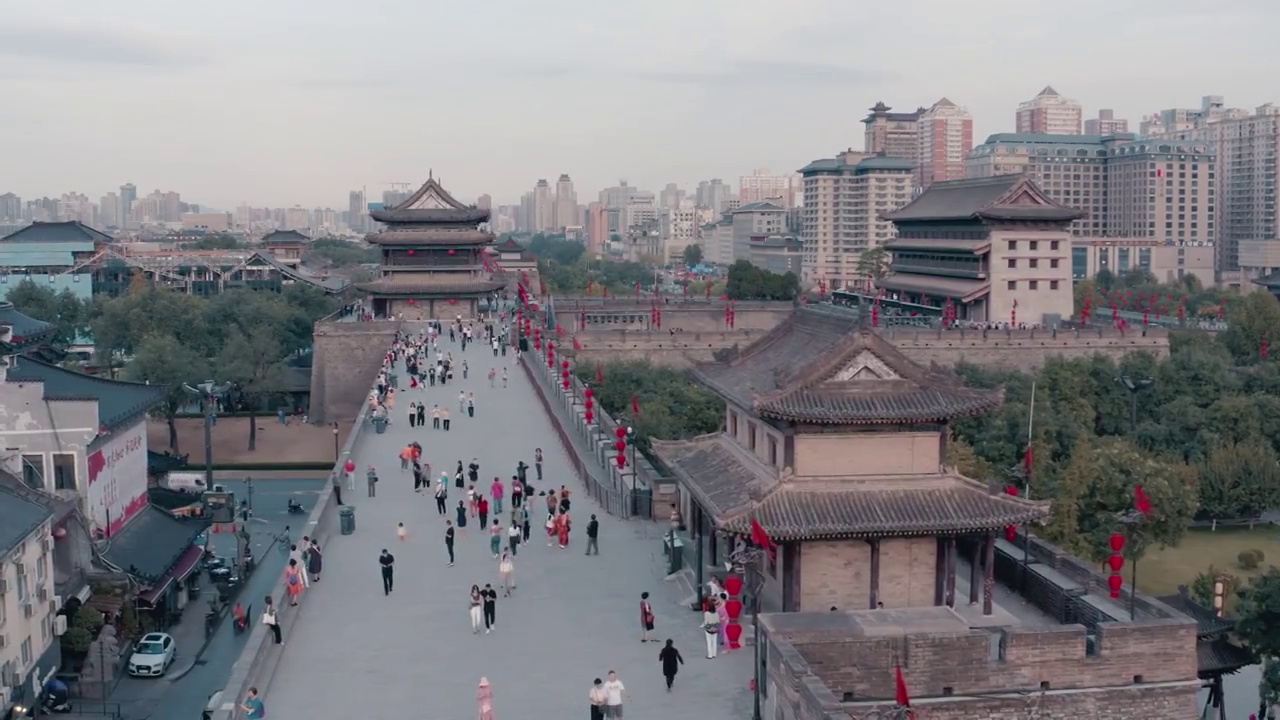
{"x":355,"y":653}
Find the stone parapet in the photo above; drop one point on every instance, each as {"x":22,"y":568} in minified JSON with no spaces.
{"x":346,"y":357}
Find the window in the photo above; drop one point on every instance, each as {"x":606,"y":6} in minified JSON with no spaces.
{"x":1033,"y":284}
{"x":64,"y":471}
{"x":1053,"y":244}
{"x":1034,"y":262}
{"x":46,"y":628}
{"x":1013,"y":245}
{"x":773,"y":451}
{"x":1013,"y":263}
{"x":733,"y":424}
{"x":751,"y":436}
{"x":1053,"y":263}
{"x":1034,"y":244}
{"x":1053,"y":284}
{"x":1013,"y":284}
{"x":33,"y":470}
{"x":42,"y":570}
{"x":26,"y":652}
{"x":23,"y":592}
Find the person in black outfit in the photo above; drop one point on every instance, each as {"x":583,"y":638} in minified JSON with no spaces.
{"x":422,"y":414}
{"x":459,"y":477}
{"x":669,"y":658}
{"x":448,"y":539}
{"x":490,"y":606}
{"x":442,"y":495}
{"x":593,"y":534}
{"x":387,"y":561}
{"x":473,"y":471}
{"x":461,"y":514}
{"x":418,"y":479}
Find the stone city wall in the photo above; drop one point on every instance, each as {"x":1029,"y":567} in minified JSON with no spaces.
{"x":693,"y":315}
{"x":346,"y":359}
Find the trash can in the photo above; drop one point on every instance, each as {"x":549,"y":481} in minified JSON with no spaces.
{"x":379,"y":425}
{"x":347,"y":519}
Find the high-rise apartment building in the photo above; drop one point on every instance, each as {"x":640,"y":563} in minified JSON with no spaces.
{"x":845,"y":200}
{"x":1049,"y":114}
{"x":544,"y":207}
{"x":565,"y":211}
{"x":892,"y":134}
{"x":946,"y":137}
{"x":1162,"y":189}
{"x":10,"y":208}
{"x":671,"y":196}
{"x":713,"y":194}
{"x":678,"y":228}
{"x":1176,"y":120}
{"x":108,"y":210}
{"x":763,"y":186}
{"x":597,"y":229}
{"x":485,"y":202}
{"x":1106,"y":124}
{"x":357,"y":211}
{"x":128,"y":196}
{"x":297,"y":218}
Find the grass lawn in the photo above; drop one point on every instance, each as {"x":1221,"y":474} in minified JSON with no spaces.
{"x":1163,"y":570}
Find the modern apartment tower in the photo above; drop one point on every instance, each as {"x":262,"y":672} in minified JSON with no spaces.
{"x":565,"y":212}
{"x":946,"y":137}
{"x":1049,"y":114}
{"x":892,"y":134}
{"x":1106,"y":124}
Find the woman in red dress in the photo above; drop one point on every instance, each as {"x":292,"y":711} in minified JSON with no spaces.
{"x":562,"y":529}
{"x":293,"y":581}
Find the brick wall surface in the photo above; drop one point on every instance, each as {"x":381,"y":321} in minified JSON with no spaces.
{"x":347,"y":357}
{"x":1166,"y":703}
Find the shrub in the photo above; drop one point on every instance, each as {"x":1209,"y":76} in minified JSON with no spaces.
{"x":1248,"y":559}
{"x":89,"y":620}
{"x":76,"y":640}
{"x":1202,"y":586}
{"x":1260,"y":555}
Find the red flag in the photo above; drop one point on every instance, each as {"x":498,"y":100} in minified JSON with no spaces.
{"x":900,"y":694}
{"x":760,"y":537}
{"x":560,"y":330}
{"x":1265,"y":349}
{"x":1028,"y":461}
{"x":599,"y":374}
{"x":1141,"y":502}
{"x":577,"y":345}
{"x":635,"y":405}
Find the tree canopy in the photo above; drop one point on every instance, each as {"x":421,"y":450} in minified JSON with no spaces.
{"x":748,"y":282}
{"x":68,"y":313}
{"x":692,"y":255}
{"x":341,"y":253}
{"x":672,"y":405}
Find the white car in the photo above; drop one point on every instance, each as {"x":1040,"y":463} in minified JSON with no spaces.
{"x":152,"y":655}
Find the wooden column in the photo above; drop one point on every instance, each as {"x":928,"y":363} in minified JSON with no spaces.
{"x":715,"y":555}
{"x":988,"y":573}
{"x":975,"y":564}
{"x":950,"y":546}
{"x":940,"y":572}
{"x":875,"y":572}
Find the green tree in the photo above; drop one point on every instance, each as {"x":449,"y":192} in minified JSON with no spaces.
{"x":1258,"y":625}
{"x":219,"y":241}
{"x":1252,"y":320}
{"x":1102,"y":477}
{"x":748,"y":282}
{"x":123,"y":322}
{"x":692,"y":255}
{"x":66,"y":312}
{"x":253,"y":361}
{"x":672,"y":405}
{"x":874,"y":263}
{"x":162,"y":360}
{"x":341,"y":253}
{"x":1239,"y":480}
{"x":556,"y":249}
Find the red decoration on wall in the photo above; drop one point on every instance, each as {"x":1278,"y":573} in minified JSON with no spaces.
{"x":590,"y":404}
{"x":733,"y":608}
{"x":564,"y":365}
{"x":1010,"y":533}
{"x":1116,"y":563}
{"x":1114,"y":583}
{"x":412,"y":301}
{"x":733,"y":632}
{"x":590,"y":393}
{"x":453,"y":252}
{"x":590,"y":416}
{"x":411,"y":252}
{"x":1117,"y":542}
{"x":453,"y":301}
{"x":622,"y":461}
{"x":565,"y":384}
{"x":733,"y":586}
{"x":620,"y":432}
{"x":620,"y":446}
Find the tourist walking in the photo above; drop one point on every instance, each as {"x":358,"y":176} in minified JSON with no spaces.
{"x":252,"y":706}
{"x":413,"y":413}
{"x":711,"y":629}
{"x":442,"y":494}
{"x":484,"y":697}
{"x":294,"y":581}
{"x":597,"y":697}
{"x":462,"y":401}
{"x":388,"y":563}
{"x":670,"y":659}
{"x":461,"y":517}
{"x":448,"y":540}
{"x":646,"y":617}
{"x":615,"y":692}
{"x":513,"y":537}
{"x":471,"y":404}
{"x":473,"y":471}
{"x":482,"y":510}
{"x":551,"y":528}
{"x":444,"y":418}
{"x":495,"y":538}
{"x":562,"y":529}
{"x":435,"y":412}
{"x":401,"y":532}
{"x":526,"y":524}
{"x":272,"y":620}
{"x":372,"y":478}
{"x":507,"y":573}
{"x":476,"y":601}
{"x":537,"y":462}
{"x":296,"y":554}
{"x":496,"y":491}
{"x":490,"y":607}
{"x":504,"y":377}
{"x":493,"y":374}
{"x":406,"y":456}
{"x":422,"y":414}
{"x":315,"y":562}
{"x":593,"y":536}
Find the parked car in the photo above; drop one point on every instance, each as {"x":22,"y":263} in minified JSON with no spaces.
{"x":152,"y":656}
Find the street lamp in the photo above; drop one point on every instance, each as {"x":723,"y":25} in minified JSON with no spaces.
{"x":1137,"y":541}
{"x":748,"y":560}
{"x":335,"y":442}
{"x":1134,"y":386}
{"x":208,"y":392}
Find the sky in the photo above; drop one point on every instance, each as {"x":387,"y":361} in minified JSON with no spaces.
{"x":286,"y":102}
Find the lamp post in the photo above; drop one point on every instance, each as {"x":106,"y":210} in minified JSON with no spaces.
{"x":1134,"y":386}
{"x":335,"y":442}
{"x":1135,"y":543}
{"x":208,"y":392}
{"x":748,"y":560}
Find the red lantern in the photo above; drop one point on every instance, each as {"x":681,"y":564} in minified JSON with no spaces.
{"x":1117,"y":542}
{"x":589,"y":402}
{"x":537,"y":344}
{"x":589,"y":416}
{"x":733,"y":586}
{"x":590,"y":393}
{"x":1012,"y":490}
{"x":733,"y":632}
{"x":733,"y":608}
{"x":412,"y":301}
{"x":537,"y":332}
{"x":564,"y":375}
{"x":620,"y":446}
{"x":1115,"y":562}
{"x":620,"y":432}
{"x":453,"y":252}
{"x":1011,"y":533}
{"x":411,"y":252}
{"x":622,"y":461}
{"x":551,"y":359}
{"x":564,"y":365}
{"x":1114,"y":582}
{"x":565,"y":385}
{"x":551,"y":347}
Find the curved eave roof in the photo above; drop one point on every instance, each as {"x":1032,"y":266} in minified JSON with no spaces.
{"x":434,"y":215}
{"x":430,"y":238}
{"x":829,"y":406}
{"x":435,"y":288}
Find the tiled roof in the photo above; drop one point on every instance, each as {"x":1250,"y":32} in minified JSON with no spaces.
{"x":118,"y":402}
{"x":285,"y":237}
{"x":70,"y":231}
{"x":820,"y":367}
{"x":151,"y":543}
{"x":437,"y":285}
{"x":509,"y":246}
{"x":726,"y":486}
{"x":19,"y":517}
{"x":26,"y":329}
{"x":1208,"y":624}
{"x":1001,"y":197}
{"x":944,"y":244}
{"x":1221,"y":657}
{"x":763,"y":206}
{"x":433,"y":236}
{"x":467,"y":216}
{"x":959,"y":288}
{"x":328,"y":284}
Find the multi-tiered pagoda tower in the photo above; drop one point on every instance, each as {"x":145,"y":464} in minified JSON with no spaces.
{"x":432,"y":258}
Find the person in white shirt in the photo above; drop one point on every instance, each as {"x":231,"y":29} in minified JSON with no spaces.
{"x":614,"y":692}
{"x":711,"y":630}
{"x":296,"y":554}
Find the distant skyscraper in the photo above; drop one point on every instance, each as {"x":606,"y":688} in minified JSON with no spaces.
{"x":892,"y":134}
{"x":1049,"y":114}
{"x":525,"y":220}
{"x":946,"y":137}
{"x":128,"y":196}
{"x":10,"y":208}
{"x":714,"y":194}
{"x":565,"y":211}
{"x":671,"y":196}
{"x":762,"y":185}
{"x":597,"y":229}
{"x":1176,"y":120}
{"x":543,"y":207}
{"x":356,"y":209}
{"x":484,"y":202}
{"x":108,"y":210}
{"x":1106,"y":124}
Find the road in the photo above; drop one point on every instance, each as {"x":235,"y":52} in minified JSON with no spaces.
{"x":184,"y":698}
{"x":356,"y":653}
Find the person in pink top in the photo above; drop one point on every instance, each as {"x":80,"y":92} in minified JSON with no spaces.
{"x":484,"y":698}
{"x":497,"y":491}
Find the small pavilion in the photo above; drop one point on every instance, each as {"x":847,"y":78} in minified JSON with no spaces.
{"x":834,"y":442}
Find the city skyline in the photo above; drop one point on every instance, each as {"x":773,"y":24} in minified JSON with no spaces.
{"x":173,"y":109}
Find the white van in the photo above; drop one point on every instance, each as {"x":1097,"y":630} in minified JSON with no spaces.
{"x":186,"y":482}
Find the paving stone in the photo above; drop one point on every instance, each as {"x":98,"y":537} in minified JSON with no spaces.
{"x":355,"y":653}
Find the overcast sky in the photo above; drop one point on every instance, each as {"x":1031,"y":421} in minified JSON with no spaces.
{"x":282,"y":102}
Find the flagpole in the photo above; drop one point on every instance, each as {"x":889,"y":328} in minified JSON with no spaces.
{"x":1026,"y":527}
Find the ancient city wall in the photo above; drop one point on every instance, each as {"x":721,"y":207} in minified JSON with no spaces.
{"x":695,"y":315}
{"x":346,"y":360}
